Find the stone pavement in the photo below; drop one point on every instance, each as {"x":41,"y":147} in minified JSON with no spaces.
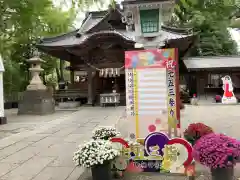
{"x":42,"y":148}
{"x":45,"y":151}
{"x":222,"y":118}
{"x":17,"y":124}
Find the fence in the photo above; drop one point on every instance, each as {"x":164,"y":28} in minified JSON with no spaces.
{"x":13,"y":97}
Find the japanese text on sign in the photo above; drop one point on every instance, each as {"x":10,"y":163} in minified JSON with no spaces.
{"x":131,"y":93}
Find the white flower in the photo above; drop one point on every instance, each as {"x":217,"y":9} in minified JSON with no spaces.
{"x":105,"y":132}
{"x":94,"y":152}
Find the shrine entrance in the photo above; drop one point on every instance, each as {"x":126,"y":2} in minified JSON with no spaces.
{"x":114,"y":85}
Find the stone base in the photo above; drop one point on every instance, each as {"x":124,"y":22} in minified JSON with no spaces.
{"x":68,"y":105}
{"x":89,"y":104}
{"x":36,"y":102}
{"x":3,"y":120}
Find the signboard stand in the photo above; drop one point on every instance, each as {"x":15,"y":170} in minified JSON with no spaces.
{"x":152,"y":92}
{"x":153,"y":113}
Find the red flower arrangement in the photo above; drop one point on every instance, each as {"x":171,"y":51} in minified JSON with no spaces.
{"x":195,"y":131}
{"x":216,"y":151}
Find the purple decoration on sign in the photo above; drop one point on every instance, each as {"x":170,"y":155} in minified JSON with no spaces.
{"x":154,"y":143}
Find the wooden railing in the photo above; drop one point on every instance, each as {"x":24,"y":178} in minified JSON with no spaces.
{"x":13,"y":97}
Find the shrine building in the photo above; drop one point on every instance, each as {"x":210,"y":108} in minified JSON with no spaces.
{"x":96,"y":50}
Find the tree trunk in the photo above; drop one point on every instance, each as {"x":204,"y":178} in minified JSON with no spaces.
{"x":58,"y":74}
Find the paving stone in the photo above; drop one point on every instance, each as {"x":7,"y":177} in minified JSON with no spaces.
{"x":9,"y":150}
{"x":28,"y":170}
{"x":63,"y":161}
{"x":22,"y":155}
{"x":222,"y":118}
{"x":51,"y":130}
{"x":54,"y":173}
{"x":77,"y":138}
{"x":47,"y":142}
{"x":58,"y":149}
{"x":76,"y":173}
{"x":35,"y":138}
{"x":6,"y":168}
{"x":64,"y":132}
{"x":83,"y":130}
{"x":14,"y":139}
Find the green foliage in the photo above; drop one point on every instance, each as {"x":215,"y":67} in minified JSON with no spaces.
{"x":22,"y":24}
{"x":210,"y":19}
{"x":87,"y":4}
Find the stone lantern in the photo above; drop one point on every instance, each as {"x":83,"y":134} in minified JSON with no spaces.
{"x":35,"y":68}
{"x":37,"y":100}
{"x":146,"y":19}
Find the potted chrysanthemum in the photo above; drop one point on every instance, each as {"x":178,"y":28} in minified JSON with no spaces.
{"x":195,"y":131}
{"x":105,"y":132}
{"x":218,"y":152}
{"x":97,"y":155}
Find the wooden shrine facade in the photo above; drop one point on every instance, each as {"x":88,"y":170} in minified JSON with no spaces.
{"x":204,"y":74}
{"x":97,"y":49}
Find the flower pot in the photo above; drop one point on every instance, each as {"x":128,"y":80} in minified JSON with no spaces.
{"x":102,"y":171}
{"x":223,"y":173}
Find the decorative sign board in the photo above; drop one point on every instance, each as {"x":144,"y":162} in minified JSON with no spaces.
{"x":228,"y":95}
{"x":158,"y":153}
{"x":152,"y":90}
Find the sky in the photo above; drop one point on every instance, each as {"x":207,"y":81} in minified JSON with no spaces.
{"x":234,"y":33}
{"x":236,"y":36}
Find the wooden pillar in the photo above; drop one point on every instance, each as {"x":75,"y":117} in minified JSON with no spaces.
{"x":96,"y":84}
{"x":72,"y":76}
{"x":90,"y":86}
{"x":61,"y":70}
{"x":198,"y":83}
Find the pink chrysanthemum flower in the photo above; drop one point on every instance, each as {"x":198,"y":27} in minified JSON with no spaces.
{"x":216,"y":151}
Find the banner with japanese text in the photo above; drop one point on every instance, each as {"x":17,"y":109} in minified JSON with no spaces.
{"x":152,"y":91}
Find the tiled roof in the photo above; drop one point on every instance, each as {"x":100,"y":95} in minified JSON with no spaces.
{"x":73,"y":40}
{"x":212,"y":62}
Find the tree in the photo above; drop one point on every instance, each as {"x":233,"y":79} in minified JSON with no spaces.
{"x":210,"y":20}
{"x":22,"y":24}
{"x":86,"y":4}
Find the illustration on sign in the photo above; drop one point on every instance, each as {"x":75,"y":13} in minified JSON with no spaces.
{"x":158,"y":153}
{"x":228,"y":96}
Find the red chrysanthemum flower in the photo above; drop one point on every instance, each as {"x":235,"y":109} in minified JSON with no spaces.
{"x":195,"y":131}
